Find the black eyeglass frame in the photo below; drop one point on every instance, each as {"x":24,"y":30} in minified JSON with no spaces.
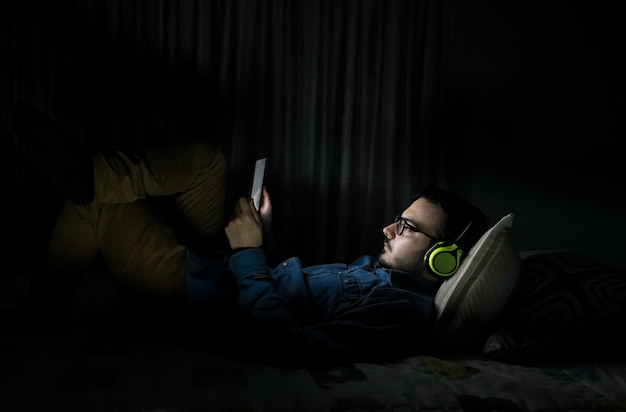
{"x":402,"y":224}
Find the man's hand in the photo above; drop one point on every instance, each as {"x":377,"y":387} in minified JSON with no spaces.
{"x":245,"y":229}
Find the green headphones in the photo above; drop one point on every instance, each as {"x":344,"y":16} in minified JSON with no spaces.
{"x":443,"y":258}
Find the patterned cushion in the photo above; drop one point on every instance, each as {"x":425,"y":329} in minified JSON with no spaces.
{"x":471,"y":299}
{"x":567,"y":304}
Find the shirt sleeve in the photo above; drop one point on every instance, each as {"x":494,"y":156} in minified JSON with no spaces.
{"x":257,"y":298}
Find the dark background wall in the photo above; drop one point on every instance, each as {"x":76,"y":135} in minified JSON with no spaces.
{"x":343,"y":96}
{"x":533,"y":96}
{"x":536,"y":104}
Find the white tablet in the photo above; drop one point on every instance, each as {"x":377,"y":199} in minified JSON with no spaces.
{"x":256,"y":186}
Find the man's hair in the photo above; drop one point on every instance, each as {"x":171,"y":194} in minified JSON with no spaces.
{"x":460,"y":212}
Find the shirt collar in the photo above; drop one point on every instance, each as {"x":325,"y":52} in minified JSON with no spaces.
{"x":412,"y":282}
{"x":408,"y":281}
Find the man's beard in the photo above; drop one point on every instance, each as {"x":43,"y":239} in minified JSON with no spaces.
{"x":386,"y":248}
{"x":414,"y":264}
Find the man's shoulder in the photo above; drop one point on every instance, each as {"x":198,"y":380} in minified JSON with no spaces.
{"x":365,"y":261}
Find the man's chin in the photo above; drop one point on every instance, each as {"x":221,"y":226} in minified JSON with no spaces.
{"x":382,"y":260}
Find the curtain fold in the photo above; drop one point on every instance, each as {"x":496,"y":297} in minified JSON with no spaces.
{"x":343,"y":97}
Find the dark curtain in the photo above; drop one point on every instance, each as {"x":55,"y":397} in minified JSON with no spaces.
{"x":343,"y":97}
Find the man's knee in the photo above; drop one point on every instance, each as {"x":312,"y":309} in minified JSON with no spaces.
{"x":210,"y":156}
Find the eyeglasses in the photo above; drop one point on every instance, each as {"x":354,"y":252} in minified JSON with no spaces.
{"x":402,"y":224}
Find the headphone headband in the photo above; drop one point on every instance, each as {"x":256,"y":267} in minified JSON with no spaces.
{"x":464,"y":230}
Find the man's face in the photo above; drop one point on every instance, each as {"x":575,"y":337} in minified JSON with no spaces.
{"x":406,"y":251}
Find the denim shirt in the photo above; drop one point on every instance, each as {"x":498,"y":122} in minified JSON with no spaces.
{"x":325,"y":313}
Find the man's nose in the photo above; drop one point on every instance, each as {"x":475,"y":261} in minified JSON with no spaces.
{"x":389,"y":231}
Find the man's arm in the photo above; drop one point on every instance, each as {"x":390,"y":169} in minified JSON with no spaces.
{"x":389,"y":323}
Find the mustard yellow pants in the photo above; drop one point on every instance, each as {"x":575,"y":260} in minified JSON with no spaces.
{"x":140,"y":250}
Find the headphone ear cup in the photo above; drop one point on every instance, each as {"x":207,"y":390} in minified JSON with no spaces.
{"x":443,"y":259}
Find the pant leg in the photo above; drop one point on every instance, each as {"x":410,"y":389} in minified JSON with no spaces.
{"x":196,"y":172}
{"x":141,"y":251}
{"x":139,"y":248}
{"x":73,"y":245}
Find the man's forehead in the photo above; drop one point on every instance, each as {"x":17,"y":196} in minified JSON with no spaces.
{"x":425,"y":213}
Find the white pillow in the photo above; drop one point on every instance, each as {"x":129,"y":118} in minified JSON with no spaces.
{"x":470,"y":300}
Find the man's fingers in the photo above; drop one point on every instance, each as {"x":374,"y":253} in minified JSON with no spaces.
{"x":241,"y":206}
{"x":245,"y":207}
